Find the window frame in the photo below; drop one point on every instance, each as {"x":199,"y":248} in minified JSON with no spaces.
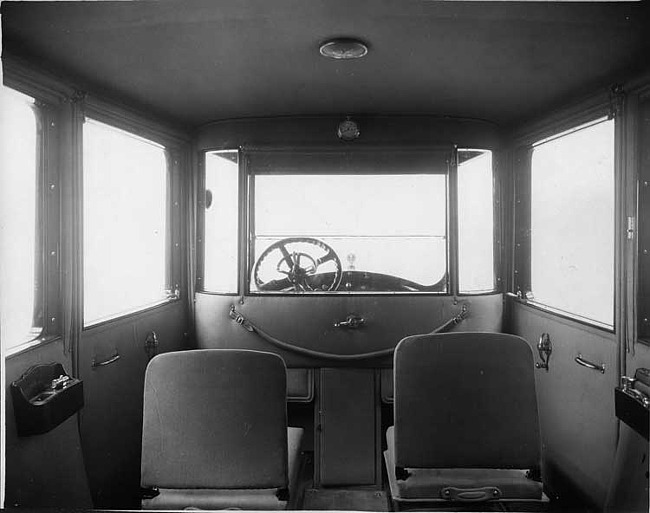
{"x":47,"y":260}
{"x":642,"y":250}
{"x":520,"y":278}
{"x":246,"y":217}
{"x":132,"y":124}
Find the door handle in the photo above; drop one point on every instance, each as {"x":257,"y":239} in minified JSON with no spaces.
{"x":590,"y":365}
{"x":112,"y":359}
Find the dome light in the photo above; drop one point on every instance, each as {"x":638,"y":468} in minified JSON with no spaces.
{"x":343,"y":49}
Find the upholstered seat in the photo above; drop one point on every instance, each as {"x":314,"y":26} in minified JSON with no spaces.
{"x":466,"y":424}
{"x":215,"y":431}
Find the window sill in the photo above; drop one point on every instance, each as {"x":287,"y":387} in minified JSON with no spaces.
{"x":130,"y":313}
{"x":599,"y":326}
{"x":30,"y":345}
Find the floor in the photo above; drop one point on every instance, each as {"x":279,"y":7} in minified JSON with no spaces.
{"x":310,"y":498}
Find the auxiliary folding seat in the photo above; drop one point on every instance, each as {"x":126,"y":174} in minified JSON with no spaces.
{"x":215,"y":432}
{"x":466,"y":425}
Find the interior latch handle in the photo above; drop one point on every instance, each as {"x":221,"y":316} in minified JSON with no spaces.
{"x":351,"y":322}
{"x":544,"y":348}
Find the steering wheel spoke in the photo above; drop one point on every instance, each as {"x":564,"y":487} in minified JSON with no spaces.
{"x":297,"y":259}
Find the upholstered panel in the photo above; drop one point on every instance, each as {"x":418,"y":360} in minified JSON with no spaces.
{"x":465,"y":400}
{"x":429,"y":483}
{"x":215,"y":419}
{"x":386,"y":383}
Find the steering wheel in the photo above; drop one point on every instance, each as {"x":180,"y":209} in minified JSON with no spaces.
{"x":301,"y":264}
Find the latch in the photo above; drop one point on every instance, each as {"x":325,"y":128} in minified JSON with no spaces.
{"x":351,"y":322}
{"x":151,"y":344}
{"x":545,"y":348}
{"x":631,"y":227}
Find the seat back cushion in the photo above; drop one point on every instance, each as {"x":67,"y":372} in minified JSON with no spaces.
{"x":465,"y":400}
{"x":215,"y":418}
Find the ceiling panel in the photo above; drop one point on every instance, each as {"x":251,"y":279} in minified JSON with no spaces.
{"x":198,"y":61}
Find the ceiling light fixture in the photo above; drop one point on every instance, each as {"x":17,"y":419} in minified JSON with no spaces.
{"x":343,"y":49}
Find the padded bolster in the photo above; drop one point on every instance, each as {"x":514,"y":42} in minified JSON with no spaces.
{"x":170,"y":499}
{"x":215,"y":418}
{"x":465,"y":400}
{"x":300,"y":385}
{"x":428,"y":484}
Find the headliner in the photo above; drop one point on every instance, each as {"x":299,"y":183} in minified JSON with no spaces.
{"x":197,"y":61}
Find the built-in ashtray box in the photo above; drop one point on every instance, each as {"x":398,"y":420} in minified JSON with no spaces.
{"x":44,"y":397}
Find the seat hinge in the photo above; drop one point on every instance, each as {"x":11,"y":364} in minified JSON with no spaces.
{"x":149,"y":492}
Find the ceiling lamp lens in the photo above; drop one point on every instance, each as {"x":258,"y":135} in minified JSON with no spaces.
{"x":343,"y":49}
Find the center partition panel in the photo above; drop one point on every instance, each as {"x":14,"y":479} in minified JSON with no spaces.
{"x":329,"y":252}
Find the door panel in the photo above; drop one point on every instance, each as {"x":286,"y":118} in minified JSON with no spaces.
{"x":43,"y":470}
{"x":112,"y":419}
{"x":576,"y":404}
{"x":347,"y":428}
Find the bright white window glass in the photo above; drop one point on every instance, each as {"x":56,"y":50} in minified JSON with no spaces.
{"x":125,"y":212}
{"x":18,"y":190}
{"x":475,"y":222}
{"x":221,"y":222}
{"x":572,"y":224}
{"x":389,"y":224}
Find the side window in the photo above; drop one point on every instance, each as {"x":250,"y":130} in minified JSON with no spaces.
{"x":125,"y":216}
{"x":572,"y":222}
{"x":23,"y":260}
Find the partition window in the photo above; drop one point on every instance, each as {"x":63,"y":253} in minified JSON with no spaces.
{"x":125,"y":222}
{"x":572,"y":222}
{"x":21,"y":266}
{"x":475,"y":222}
{"x":221,"y":222}
{"x":362,"y":222}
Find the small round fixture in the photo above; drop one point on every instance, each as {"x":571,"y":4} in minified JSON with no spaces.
{"x":348,"y":130}
{"x":343,"y":49}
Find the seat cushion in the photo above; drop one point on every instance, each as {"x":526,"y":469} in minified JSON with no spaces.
{"x":429,"y":484}
{"x":249,"y":499}
{"x":254,"y":499}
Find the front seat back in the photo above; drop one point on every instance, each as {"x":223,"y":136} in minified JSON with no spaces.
{"x":215,"y":419}
{"x":465,"y":400}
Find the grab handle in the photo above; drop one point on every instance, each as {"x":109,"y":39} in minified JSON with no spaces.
{"x":586,"y":363}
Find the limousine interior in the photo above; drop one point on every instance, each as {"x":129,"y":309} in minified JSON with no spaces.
{"x":376,"y":255}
